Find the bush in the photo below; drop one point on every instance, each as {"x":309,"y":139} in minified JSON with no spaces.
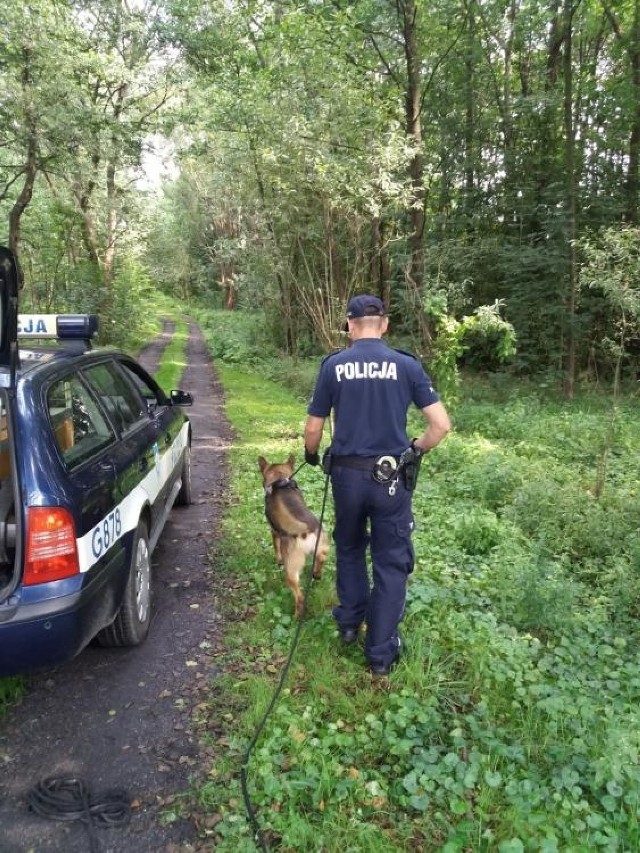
{"x":236,"y":338}
{"x":569,"y":521}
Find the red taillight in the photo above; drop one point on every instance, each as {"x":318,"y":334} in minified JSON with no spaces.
{"x":51,"y":545}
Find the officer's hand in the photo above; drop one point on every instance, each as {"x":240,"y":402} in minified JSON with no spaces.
{"x":417,"y":450}
{"x":311,"y":458}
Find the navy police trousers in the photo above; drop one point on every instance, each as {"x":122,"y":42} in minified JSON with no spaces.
{"x":367,"y":515}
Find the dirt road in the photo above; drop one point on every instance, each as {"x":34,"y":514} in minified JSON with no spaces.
{"x":121,"y":717}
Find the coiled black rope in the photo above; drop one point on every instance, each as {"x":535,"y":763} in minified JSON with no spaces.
{"x":253,"y":817}
{"x":68,"y":798}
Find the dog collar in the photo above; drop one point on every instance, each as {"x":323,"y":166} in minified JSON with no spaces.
{"x":283,"y":483}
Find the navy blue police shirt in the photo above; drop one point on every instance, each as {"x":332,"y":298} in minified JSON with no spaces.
{"x":370,"y":387}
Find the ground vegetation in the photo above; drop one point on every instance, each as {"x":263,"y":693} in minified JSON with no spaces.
{"x":510,"y":723}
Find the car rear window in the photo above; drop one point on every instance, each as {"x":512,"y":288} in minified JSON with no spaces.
{"x":78,"y":425}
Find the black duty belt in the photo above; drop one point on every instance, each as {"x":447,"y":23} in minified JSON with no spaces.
{"x":360,"y":463}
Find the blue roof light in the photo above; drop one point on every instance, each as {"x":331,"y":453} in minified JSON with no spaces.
{"x":83,"y":326}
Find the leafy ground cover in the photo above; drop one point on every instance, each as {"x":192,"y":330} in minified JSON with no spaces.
{"x":512,"y":721}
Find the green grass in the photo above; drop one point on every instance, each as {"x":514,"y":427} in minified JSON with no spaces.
{"x":11,"y":690}
{"x":512,"y":721}
{"x":174,"y":359}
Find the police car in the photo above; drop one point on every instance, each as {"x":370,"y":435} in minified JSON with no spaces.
{"x":93,"y":455}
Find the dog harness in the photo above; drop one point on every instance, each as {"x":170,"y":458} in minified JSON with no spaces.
{"x":283,"y":483}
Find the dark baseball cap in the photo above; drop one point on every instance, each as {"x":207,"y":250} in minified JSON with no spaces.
{"x":365,"y":306}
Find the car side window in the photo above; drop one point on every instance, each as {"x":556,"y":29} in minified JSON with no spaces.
{"x":124,"y":407}
{"x":79,"y":427}
{"x":153,"y":395}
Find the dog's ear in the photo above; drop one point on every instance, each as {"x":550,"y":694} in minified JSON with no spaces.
{"x":262,"y":462}
{"x":291,"y":460}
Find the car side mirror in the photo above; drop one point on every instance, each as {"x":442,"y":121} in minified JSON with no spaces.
{"x":180,"y":398}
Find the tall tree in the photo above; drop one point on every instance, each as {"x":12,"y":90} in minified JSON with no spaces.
{"x":627,"y":34}
{"x":571,"y":192}
{"x":38,"y":67}
{"x":122,"y":95}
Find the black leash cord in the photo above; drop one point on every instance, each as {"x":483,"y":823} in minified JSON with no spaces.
{"x":67,"y":798}
{"x":276,"y":694}
{"x":301,"y":465}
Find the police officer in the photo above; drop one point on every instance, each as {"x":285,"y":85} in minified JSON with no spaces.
{"x":369,"y":387}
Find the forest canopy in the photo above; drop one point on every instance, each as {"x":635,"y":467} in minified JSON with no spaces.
{"x":461,"y":158}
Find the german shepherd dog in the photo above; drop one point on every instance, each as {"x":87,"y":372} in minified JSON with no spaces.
{"x":294,"y":528}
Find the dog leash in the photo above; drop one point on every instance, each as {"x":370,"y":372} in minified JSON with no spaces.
{"x":301,"y":465}
{"x":253,"y":817}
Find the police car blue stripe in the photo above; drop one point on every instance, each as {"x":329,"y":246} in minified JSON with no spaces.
{"x":124,"y":517}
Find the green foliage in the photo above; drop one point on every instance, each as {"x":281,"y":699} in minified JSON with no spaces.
{"x":241,"y":338}
{"x":236,"y":337}
{"x":129,"y":314}
{"x":609,"y":285}
{"x":511,"y":722}
{"x":485,"y":328}
{"x":302,"y":175}
{"x":315,"y":186}
{"x":612,"y":265}
{"x":83,"y":89}
{"x":175,"y":250}
{"x":125,"y":317}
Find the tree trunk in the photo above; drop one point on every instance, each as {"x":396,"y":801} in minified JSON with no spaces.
{"x":336,"y":272}
{"x":570,"y":199}
{"x":20,"y":205}
{"x":227,"y":282}
{"x":632,"y":183}
{"x":112,"y":219}
{"x":30,"y":169}
{"x":89,"y":229}
{"x":469,"y":123}
{"x":415,"y":269}
{"x":380,"y":272}
{"x":545,"y":168}
{"x":511,"y":206}
{"x":112,"y":207}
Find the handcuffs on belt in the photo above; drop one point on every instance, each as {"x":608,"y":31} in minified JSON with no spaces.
{"x":384,"y":468}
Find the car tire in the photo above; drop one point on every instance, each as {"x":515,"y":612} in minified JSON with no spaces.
{"x":131,"y":625}
{"x":184,"y":498}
